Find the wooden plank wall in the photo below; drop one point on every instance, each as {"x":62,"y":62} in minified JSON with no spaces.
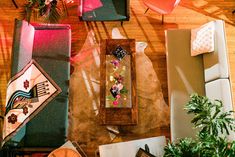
{"x":142,"y":27}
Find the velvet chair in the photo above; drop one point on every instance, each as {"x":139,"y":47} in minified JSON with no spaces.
{"x":103,"y":10}
{"x":161,"y":6}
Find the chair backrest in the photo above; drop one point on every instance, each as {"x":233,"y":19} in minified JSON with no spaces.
{"x":104,"y":10}
{"x":176,"y":2}
{"x":162,"y":7}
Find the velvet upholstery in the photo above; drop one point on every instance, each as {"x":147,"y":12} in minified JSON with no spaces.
{"x":111,"y":10}
{"x":50,"y":46}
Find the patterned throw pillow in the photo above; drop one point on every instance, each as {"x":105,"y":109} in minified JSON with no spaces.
{"x":202,"y":39}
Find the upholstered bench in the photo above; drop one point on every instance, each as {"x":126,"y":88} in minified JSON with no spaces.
{"x":206,"y":74}
{"x":49,"y":45}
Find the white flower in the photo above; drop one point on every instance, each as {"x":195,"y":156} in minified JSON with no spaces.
{"x":48,"y":1}
{"x":111,"y":78}
{"x":120,"y":86}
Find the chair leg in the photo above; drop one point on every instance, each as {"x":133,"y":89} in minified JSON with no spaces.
{"x":146,"y":10}
{"x":15,"y":3}
{"x":162,"y":19}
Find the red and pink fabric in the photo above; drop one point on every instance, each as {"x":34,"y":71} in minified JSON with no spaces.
{"x":88,"y":5}
{"x":162,"y":7}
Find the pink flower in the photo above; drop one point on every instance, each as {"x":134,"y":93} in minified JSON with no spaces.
{"x":114,"y":87}
{"x":118,"y":96}
{"x":26,"y":84}
{"x":115,"y":103}
{"x":120,"y":86}
{"x":119,"y":78}
{"x":116,"y":75}
{"x":115,"y":63}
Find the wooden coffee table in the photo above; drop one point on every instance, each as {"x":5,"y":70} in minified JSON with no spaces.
{"x":118,"y":107}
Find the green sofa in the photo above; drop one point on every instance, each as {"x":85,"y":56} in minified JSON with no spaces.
{"x":111,"y":10}
{"x":49,"y":45}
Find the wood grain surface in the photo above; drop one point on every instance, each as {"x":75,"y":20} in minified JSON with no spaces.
{"x":118,"y":116}
{"x":141,"y":27}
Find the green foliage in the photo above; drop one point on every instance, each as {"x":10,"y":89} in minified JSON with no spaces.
{"x":208,"y":115}
{"x":185,"y":148}
{"x":211,"y":121}
{"x":43,"y":8}
{"x":110,"y":97}
{"x":124,"y":90}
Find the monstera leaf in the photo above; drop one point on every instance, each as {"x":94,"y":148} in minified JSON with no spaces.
{"x":211,"y":121}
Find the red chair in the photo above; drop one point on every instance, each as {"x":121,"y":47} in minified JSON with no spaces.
{"x":161,"y":6}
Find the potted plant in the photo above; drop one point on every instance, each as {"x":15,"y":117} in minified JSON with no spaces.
{"x":49,"y":10}
{"x":213,"y":124}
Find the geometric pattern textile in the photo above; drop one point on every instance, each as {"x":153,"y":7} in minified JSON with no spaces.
{"x":28,"y":92}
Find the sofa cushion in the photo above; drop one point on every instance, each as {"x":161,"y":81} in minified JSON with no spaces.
{"x":220,"y":89}
{"x":185,"y":76}
{"x":51,"y":49}
{"x":202,"y":39}
{"x":216,"y":63}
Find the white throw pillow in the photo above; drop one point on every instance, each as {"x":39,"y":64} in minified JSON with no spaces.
{"x":202,"y":39}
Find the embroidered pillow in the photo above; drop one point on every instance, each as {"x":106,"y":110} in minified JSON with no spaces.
{"x":202,"y":39}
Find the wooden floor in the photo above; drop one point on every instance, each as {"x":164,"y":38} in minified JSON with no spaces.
{"x":142,"y":27}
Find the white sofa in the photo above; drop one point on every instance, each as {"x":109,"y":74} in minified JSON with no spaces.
{"x":206,"y":74}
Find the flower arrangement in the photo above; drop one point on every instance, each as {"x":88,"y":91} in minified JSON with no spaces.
{"x":48,"y":9}
{"x":117,"y":90}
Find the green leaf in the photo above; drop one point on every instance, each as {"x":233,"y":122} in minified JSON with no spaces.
{"x":124,"y":90}
{"x":211,"y":121}
{"x":110,"y":97}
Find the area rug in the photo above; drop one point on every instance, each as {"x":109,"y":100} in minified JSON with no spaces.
{"x":84,"y":98}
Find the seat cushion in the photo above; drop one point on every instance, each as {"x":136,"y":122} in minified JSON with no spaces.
{"x":185,"y":76}
{"x":54,"y":59}
{"x":216,"y":63}
{"x":220,"y":89}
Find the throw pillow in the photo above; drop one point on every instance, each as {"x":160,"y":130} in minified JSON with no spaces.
{"x":202,"y":39}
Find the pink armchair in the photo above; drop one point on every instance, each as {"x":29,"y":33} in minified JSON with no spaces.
{"x":161,"y":6}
